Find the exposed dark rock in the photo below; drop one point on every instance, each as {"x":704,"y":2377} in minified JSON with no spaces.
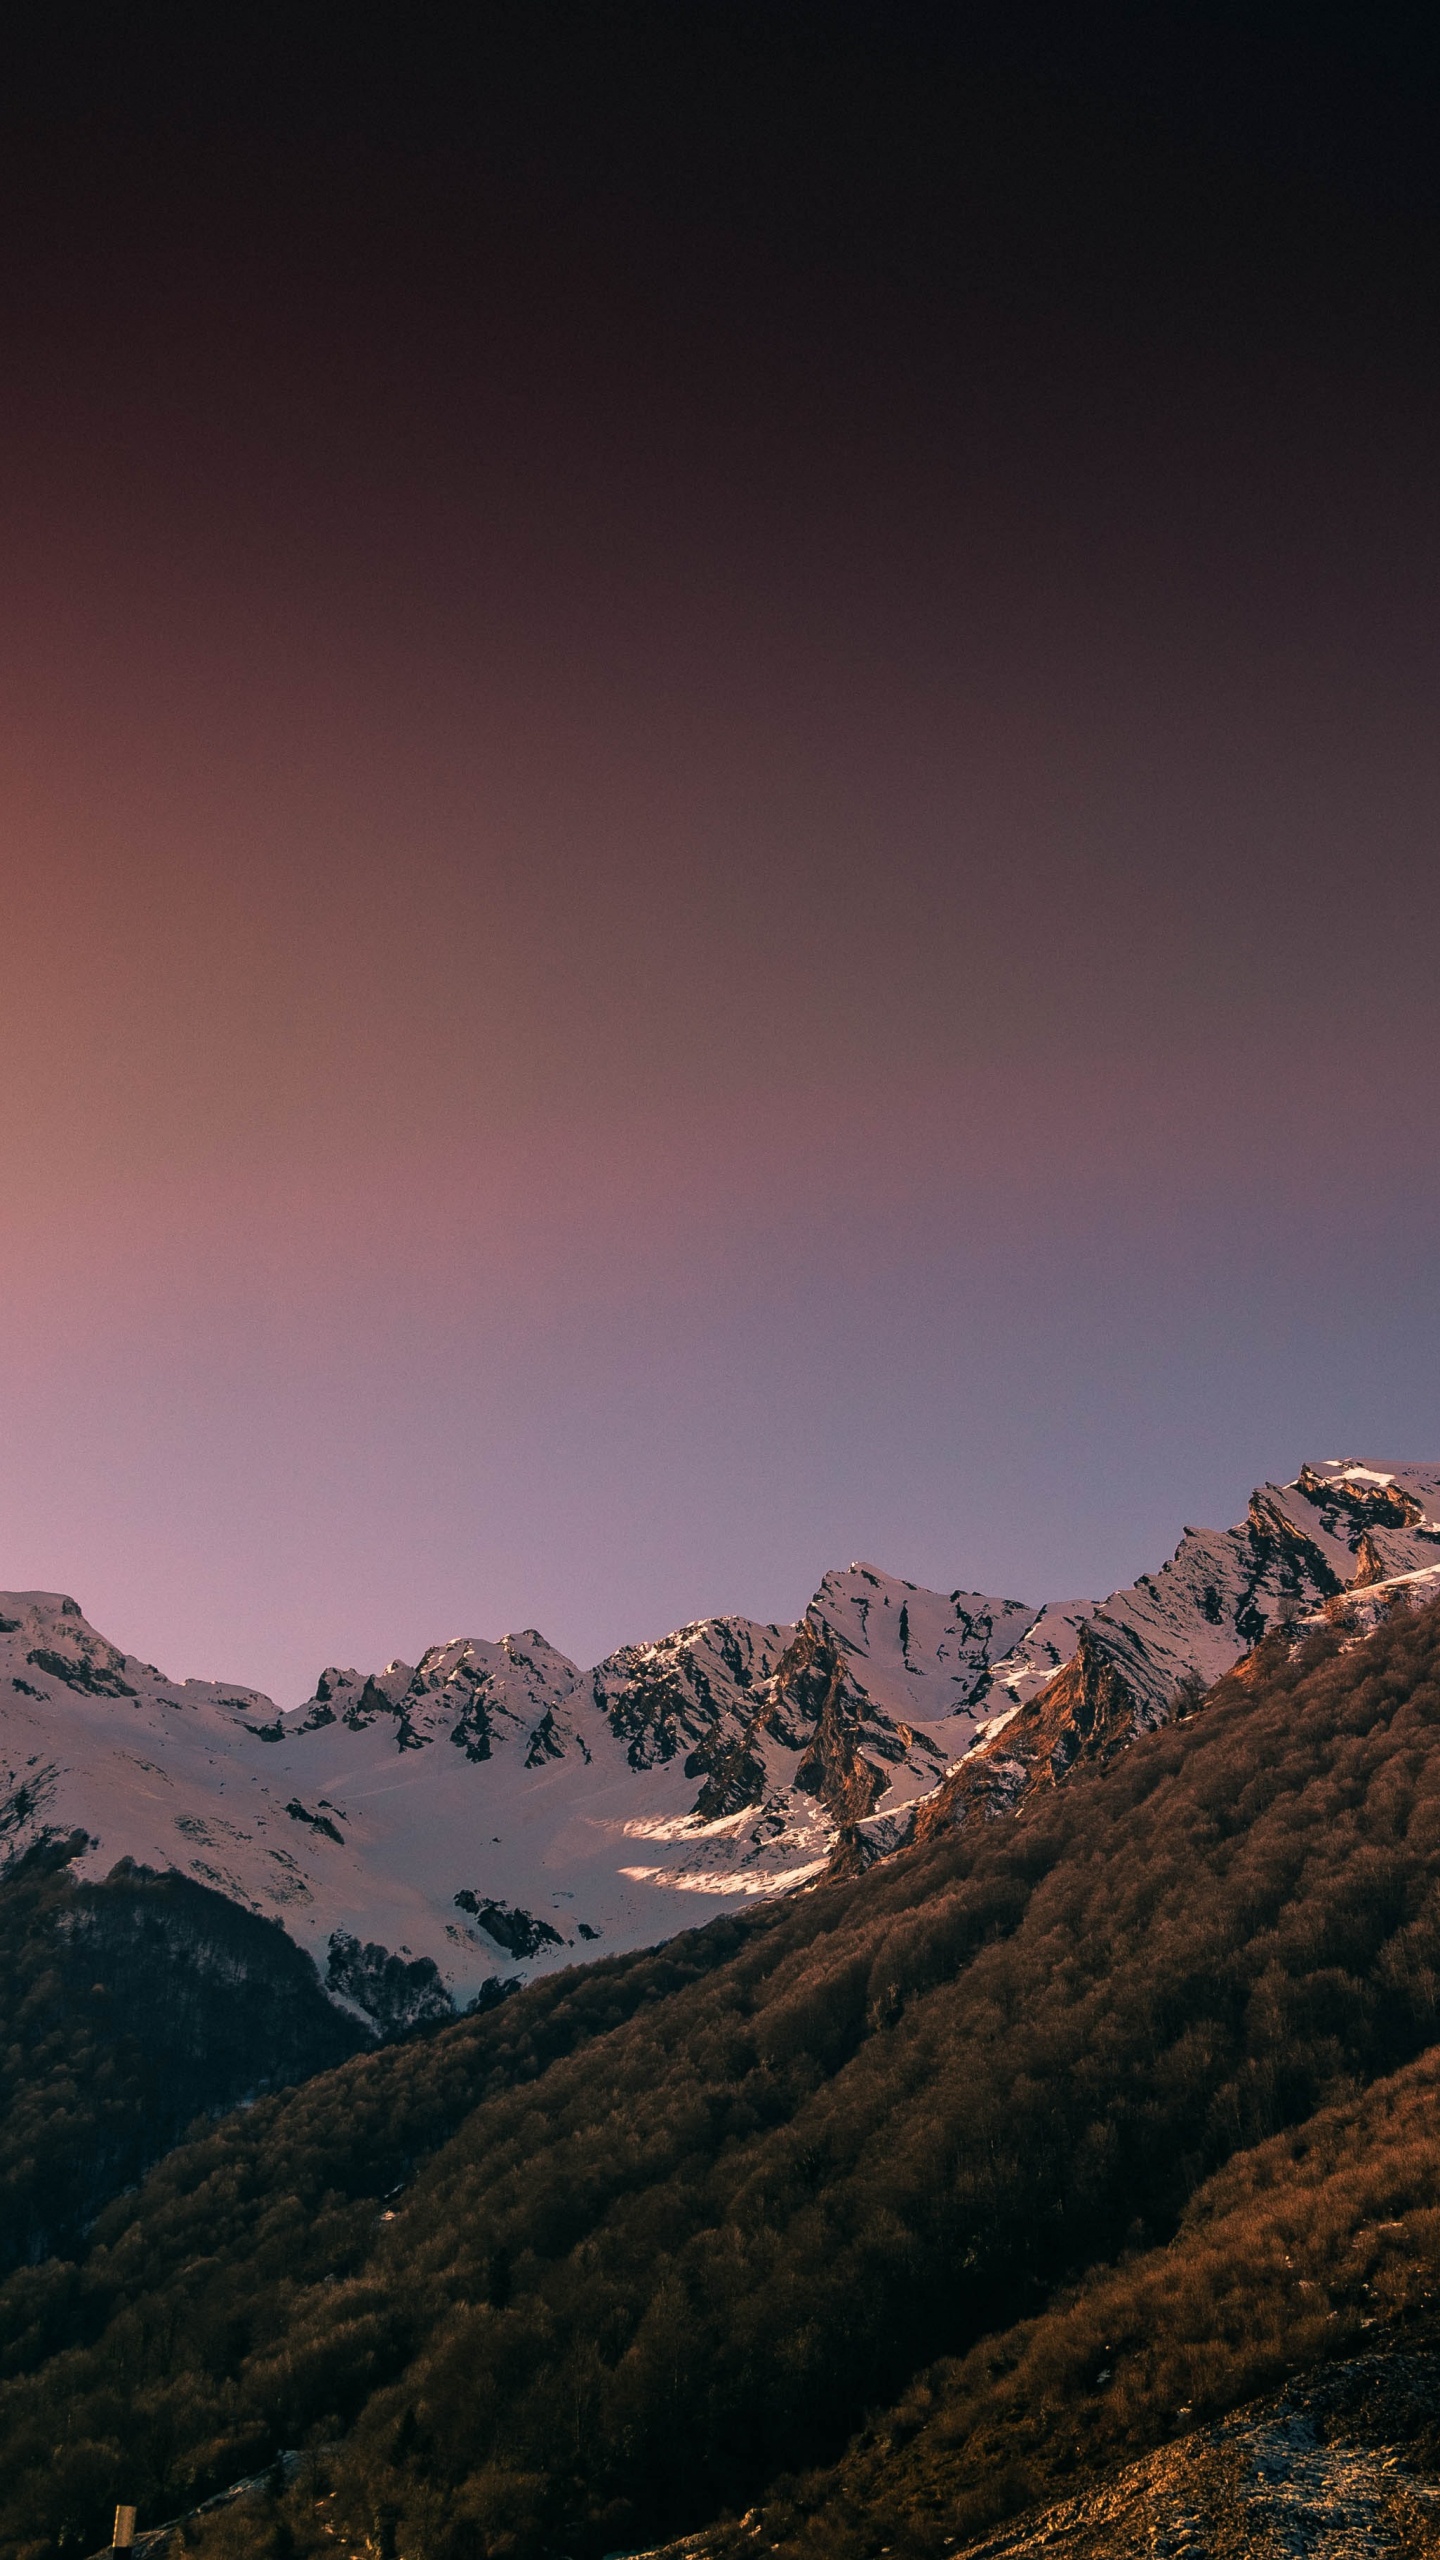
{"x":733,"y":1772}
{"x":472,"y":1730}
{"x":1370,"y":1564}
{"x":101,"y":1678}
{"x":518,"y":1932}
{"x":315,"y":1821}
{"x":495,"y":1988}
{"x":833,"y":1768}
{"x":544,"y":1743}
{"x":1382,"y":1506}
{"x":395,"y":1991}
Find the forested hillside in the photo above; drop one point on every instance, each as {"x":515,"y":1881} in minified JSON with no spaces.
{"x":670,"y":2229}
{"x":1322,"y":2242}
{"x":127,"y":2009}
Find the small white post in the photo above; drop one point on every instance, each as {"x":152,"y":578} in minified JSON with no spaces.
{"x":124,"y":2534}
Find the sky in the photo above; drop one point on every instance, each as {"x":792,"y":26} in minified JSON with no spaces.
{"x":719,"y":775}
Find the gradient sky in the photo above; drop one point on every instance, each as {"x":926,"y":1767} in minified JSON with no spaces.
{"x":719,"y":771}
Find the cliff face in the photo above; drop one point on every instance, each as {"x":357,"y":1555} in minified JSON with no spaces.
{"x":1085,"y":1714}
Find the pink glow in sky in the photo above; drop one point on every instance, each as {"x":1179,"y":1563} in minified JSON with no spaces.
{"x":656,"y":937}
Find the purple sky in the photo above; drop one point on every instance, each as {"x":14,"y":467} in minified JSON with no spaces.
{"x":718,"y":805}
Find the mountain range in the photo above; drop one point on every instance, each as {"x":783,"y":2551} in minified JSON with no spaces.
{"x":431,"y":1831}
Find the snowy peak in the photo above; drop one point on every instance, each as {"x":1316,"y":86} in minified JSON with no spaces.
{"x":48,"y":1650}
{"x":861,"y":1705}
{"x":1390,"y":1515}
{"x":60,"y":1644}
{"x":1383,"y":1518}
{"x":684,"y":1694}
{"x":479,"y":1696}
{"x":922,"y":1655}
{"x":1299,"y":1545}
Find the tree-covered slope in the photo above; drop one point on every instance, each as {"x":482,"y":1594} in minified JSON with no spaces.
{"x":128,"y":2008}
{"x":677,"y":2224}
{"x":1321,"y":2243}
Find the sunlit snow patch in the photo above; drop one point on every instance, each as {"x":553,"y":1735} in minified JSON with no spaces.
{"x":706,"y":1880}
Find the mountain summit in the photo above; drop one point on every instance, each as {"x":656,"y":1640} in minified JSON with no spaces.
{"x":493,"y":1810}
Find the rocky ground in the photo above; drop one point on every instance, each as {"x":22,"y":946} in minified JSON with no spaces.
{"x":1343,"y":2464}
{"x":1339,"y":2467}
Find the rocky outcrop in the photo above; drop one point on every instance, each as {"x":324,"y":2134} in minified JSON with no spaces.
{"x":476,"y":1695}
{"x":1299,"y":1545}
{"x":392,"y":1992}
{"x":1376,"y":1498}
{"x":1083,"y":1716}
{"x":1340,"y":2465}
{"x":518,"y":1932}
{"x":692,"y":1695}
{"x":833,"y":1768}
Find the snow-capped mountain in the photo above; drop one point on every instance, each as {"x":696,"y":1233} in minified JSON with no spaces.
{"x":1345,"y":1528}
{"x":494,"y":1810}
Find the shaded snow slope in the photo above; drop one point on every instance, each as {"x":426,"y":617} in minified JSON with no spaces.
{"x":494,"y":1810}
{"x":491,"y":1810}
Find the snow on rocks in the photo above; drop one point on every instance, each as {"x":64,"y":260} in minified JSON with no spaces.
{"x":1299,"y":1545}
{"x":432,"y":1829}
{"x":1334,"y":1532}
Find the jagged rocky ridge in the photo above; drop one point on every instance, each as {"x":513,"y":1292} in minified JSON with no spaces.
{"x":431,"y":1829}
{"x":1342,"y":1540}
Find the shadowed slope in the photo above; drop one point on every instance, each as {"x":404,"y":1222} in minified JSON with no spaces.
{"x":127,"y":2009}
